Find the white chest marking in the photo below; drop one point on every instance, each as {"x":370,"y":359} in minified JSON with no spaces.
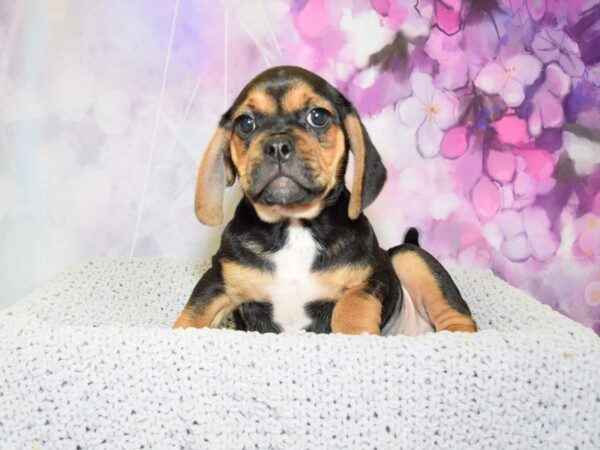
{"x":294,"y":286}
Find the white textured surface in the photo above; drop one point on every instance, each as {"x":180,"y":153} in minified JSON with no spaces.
{"x":89,"y":360}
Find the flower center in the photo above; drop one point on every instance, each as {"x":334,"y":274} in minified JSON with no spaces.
{"x":592,"y":223}
{"x":432,"y":109}
{"x":511,"y":70}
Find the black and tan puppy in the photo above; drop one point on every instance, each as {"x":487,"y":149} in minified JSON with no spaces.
{"x":298,"y":253}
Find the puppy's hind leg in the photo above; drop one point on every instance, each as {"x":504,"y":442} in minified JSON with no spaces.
{"x":430,"y":286}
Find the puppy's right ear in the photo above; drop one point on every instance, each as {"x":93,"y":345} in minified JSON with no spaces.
{"x":216,"y":171}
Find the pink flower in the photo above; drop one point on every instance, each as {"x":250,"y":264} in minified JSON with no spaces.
{"x":452,"y":58}
{"x":501,"y":165}
{"x":551,"y":44}
{"x":431,"y":110}
{"x":538,"y":162}
{"x":509,"y":77}
{"x":547,"y":110}
{"x":486,"y":198}
{"x":455,"y":142}
{"x":511,"y":130}
{"x":526,"y":187}
{"x":446,"y":14}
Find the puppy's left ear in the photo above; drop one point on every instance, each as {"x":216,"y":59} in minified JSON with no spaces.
{"x":369,"y":171}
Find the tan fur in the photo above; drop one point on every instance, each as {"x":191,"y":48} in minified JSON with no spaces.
{"x":337,"y":281}
{"x":210,"y":316}
{"x":213,"y":175}
{"x":357,"y":146}
{"x":301,"y":96}
{"x":243,"y":282}
{"x":258,"y":100}
{"x":240,"y":157}
{"x":275,"y":213}
{"x":417,"y":279}
{"x":322,"y":157}
{"x":356,"y":312}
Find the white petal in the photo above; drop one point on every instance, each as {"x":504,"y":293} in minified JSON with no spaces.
{"x":422,"y":86}
{"x":447,"y":109}
{"x":491,"y":78}
{"x":525,"y":68}
{"x":513,"y":93}
{"x":412,"y":112}
{"x":516,"y":248}
{"x":429,"y":139}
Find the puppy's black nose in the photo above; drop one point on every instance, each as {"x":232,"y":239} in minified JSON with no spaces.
{"x":279,"y":149}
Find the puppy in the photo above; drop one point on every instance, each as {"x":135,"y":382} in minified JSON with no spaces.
{"x":298,"y":253}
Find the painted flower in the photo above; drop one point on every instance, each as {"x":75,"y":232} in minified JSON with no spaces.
{"x":592,"y":293}
{"x":546,"y":105}
{"x":527,"y":234}
{"x":486,"y":198}
{"x":562,"y":10}
{"x":452,"y":58}
{"x":509,"y":77}
{"x":587,"y":229}
{"x":586,"y":33}
{"x":431,"y":110}
{"x":551,"y":44}
{"x":446,"y":14}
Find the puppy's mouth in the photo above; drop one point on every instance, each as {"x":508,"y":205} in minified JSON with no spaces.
{"x":285,"y":189}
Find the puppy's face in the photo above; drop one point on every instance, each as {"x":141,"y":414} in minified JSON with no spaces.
{"x":287,"y":138}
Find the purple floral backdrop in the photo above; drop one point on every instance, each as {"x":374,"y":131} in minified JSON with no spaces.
{"x":486,"y":113}
{"x":502,"y":101}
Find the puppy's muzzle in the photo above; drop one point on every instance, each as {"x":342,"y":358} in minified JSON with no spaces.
{"x":281,"y":178}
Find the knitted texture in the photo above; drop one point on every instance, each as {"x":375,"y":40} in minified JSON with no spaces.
{"x":89,"y":360}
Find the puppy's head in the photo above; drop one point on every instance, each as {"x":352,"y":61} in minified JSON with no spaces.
{"x":287,"y":137}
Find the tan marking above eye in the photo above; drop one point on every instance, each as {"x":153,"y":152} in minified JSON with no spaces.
{"x":257,"y":101}
{"x":301,"y":96}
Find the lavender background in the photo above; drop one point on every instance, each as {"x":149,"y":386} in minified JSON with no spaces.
{"x":486,"y":113}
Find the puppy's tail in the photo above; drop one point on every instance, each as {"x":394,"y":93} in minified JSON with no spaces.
{"x":412,"y":237}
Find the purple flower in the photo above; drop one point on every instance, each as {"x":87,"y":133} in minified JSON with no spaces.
{"x":547,"y":110}
{"x":431,"y":110}
{"x":555,"y":45}
{"x":509,"y":77}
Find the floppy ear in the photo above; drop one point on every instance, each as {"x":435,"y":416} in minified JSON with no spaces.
{"x":216,"y":171}
{"x":369,"y":171}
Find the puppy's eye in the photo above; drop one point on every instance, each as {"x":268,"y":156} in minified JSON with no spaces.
{"x":246,"y":124}
{"x":318,"y":117}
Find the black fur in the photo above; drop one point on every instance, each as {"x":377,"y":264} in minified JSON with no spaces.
{"x":342,"y":241}
{"x":250,"y":242}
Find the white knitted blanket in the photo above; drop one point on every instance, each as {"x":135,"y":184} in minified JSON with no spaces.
{"x":89,"y":361}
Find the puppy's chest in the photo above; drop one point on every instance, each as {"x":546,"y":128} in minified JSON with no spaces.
{"x":294,"y":285}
